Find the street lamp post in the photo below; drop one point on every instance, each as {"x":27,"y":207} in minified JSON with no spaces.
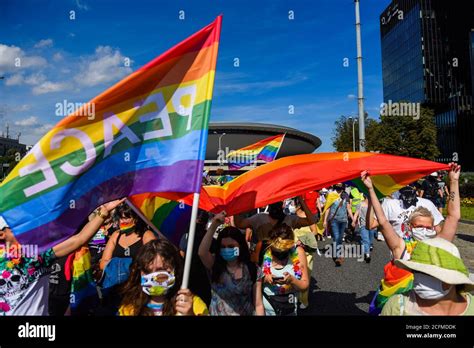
{"x":353,"y":120}
{"x":360,"y":82}
{"x":221,"y":162}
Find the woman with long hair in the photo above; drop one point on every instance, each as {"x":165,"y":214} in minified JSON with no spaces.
{"x":236,"y":282}
{"x":286,"y":273}
{"x":153,"y":285}
{"x":120,"y":251}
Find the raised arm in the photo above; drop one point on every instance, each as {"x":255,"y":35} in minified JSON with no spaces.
{"x":204,"y":249}
{"x":241,"y":222}
{"x":450,"y":226}
{"x":309,"y":219}
{"x":394,"y":242}
{"x":370,"y":220}
{"x":69,"y":245}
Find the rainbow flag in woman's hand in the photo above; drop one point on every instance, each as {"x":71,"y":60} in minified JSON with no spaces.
{"x":148,"y":134}
{"x":265,"y":150}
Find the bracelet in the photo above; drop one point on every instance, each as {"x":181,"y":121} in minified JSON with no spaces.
{"x":102,"y":216}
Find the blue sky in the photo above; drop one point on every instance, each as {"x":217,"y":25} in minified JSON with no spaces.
{"x":282,"y":61}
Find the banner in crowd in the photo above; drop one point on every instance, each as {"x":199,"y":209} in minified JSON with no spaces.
{"x":148,"y":134}
{"x":265,"y":150}
{"x":294,"y":175}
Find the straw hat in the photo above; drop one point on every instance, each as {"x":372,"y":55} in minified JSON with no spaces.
{"x":440,"y":259}
{"x":281,"y":244}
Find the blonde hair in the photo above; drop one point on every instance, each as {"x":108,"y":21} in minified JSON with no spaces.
{"x":420,"y":212}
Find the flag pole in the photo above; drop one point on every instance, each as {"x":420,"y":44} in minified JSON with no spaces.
{"x":144,"y":218}
{"x":281,"y":144}
{"x":189,"y":248}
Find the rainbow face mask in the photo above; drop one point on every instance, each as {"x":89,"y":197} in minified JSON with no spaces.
{"x":127,"y":228}
{"x":157,"y":283}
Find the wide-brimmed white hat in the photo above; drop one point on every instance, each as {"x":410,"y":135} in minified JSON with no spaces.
{"x":440,"y":259}
{"x":3,"y":223}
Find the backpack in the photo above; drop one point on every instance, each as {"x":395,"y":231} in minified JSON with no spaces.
{"x":116,"y":272}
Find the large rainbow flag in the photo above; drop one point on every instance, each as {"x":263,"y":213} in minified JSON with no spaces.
{"x":294,"y":175}
{"x":148,"y":134}
{"x":171,"y":218}
{"x":265,"y":150}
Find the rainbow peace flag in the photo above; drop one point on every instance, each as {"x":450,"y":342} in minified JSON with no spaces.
{"x":265,"y":150}
{"x":171,"y":218}
{"x":148,"y":134}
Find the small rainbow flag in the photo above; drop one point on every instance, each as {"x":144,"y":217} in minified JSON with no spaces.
{"x":396,"y":281}
{"x":171,"y":218}
{"x":148,"y":134}
{"x":83,"y":289}
{"x":265,"y":150}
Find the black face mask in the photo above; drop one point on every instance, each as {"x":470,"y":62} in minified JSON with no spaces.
{"x":408,"y":197}
{"x":280,"y":255}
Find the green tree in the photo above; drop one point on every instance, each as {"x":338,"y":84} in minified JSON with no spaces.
{"x":407,"y":136}
{"x":342,"y":134}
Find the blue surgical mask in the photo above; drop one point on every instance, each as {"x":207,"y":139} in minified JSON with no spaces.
{"x":230,"y":254}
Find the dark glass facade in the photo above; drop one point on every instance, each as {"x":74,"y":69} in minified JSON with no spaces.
{"x":428,"y":57}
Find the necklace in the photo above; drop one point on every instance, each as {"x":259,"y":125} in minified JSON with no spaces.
{"x":267,"y":263}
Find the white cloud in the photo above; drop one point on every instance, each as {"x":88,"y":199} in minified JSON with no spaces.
{"x":82,"y":6}
{"x":57,"y":57}
{"x":237,"y":82}
{"x":104,"y":66}
{"x":49,"y":87}
{"x":351,"y":96}
{"x":43,"y":129}
{"x":10,"y":56}
{"x":14,"y":80}
{"x":28,"y":122}
{"x":35,"y":79}
{"x":44,"y":43}
{"x":19,"y":79}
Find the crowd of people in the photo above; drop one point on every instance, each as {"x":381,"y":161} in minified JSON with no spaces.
{"x":257,"y":263}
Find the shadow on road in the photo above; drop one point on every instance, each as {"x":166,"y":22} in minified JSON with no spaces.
{"x":465,"y":237}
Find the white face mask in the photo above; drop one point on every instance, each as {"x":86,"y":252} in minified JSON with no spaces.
{"x":422,"y":233}
{"x":428,"y":287}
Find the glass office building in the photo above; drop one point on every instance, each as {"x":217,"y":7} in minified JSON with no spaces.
{"x":428,"y":57}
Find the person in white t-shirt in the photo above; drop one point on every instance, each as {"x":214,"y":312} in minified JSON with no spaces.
{"x":398,"y":211}
{"x":416,"y":221}
{"x":24,"y":280}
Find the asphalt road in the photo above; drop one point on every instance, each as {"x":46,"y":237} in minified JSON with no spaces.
{"x":349,"y":289}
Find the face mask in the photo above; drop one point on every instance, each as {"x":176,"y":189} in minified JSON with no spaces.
{"x":422,"y":233}
{"x":127,"y":228}
{"x":428,"y":287}
{"x":292,"y":209}
{"x":280,"y":255}
{"x":157,"y":283}
{"x":229,"y":254}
